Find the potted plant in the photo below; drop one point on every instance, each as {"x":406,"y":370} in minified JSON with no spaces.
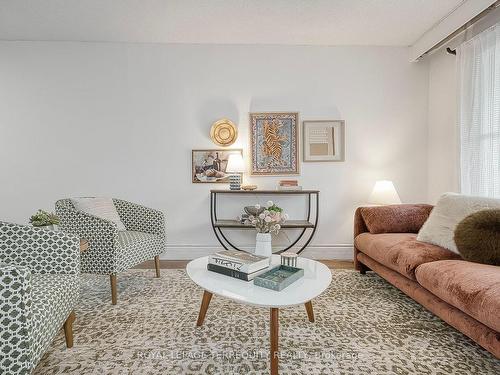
{"x":45,"y":219}
{"x":266,"y":222}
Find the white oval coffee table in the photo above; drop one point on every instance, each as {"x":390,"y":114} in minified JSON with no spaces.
{"x":316,"y":279}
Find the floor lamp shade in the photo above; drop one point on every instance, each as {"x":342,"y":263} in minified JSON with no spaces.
{"x":384,"y":193}
{"x":235,"y":166}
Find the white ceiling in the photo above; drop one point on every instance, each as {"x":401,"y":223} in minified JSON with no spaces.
{"x":307,"y":22}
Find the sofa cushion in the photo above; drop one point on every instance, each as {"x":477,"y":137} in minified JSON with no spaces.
{"x":54,"y":297}
{"x":103,"y":208}
{"x":400,"y":252}
{"x":399,"y":218}
{"x":449,"y":211}
{"x":478,"y":237}
{"x":137,"y":247}
{"x":471,"y":287}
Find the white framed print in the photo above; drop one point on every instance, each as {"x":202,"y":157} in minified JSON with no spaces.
{"x":323,"y":140}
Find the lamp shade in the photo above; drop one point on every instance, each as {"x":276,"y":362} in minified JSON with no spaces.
{"x":383,"y":193}
{"x":235,"y":164}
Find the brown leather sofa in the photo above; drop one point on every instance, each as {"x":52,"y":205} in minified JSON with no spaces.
{"x":465,"y":295}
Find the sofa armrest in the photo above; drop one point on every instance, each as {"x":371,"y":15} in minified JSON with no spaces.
{"x":15,"y":319}
{"x":40,"y":250}
{"x":140,"y":218}
{"x":398,"y":218}
{"x":359,"y":223}
{"x":359,"y":227}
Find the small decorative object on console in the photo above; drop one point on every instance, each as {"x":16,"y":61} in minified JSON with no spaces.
{"x":45,"y":219}
{"x":289,"y":185}
{"x":243,"y":218}
{"x":254,"y":210}
{"x":279,"y":277}
{"x":249,"y":187}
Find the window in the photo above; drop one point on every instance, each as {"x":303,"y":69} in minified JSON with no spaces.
{"x":479,"y":113}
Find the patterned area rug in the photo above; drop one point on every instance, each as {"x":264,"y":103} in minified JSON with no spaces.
{"x":363,"y":326}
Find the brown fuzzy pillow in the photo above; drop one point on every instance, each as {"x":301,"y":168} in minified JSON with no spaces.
{"x":478,"y":237}
{"x":398,"y":218}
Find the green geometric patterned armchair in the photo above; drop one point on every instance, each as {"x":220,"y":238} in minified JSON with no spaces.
{"x":112,"y":251}
{"x":39,"y":288}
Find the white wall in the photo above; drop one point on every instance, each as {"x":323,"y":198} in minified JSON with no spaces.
{"x":81,"y":119}
{"x":443,"y":162}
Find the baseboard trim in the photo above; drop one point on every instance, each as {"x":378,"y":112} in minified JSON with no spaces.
{"x":327,"y":252}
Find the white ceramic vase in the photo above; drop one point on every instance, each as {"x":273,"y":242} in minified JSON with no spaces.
{"x":263,"y":245}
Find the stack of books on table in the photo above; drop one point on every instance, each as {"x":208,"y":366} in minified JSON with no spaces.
{"x":238,"y":264}
{"x":289,"y":185}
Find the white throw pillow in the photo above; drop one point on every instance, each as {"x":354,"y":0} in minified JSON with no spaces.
{"x":103,"y":208}
{"x":450,"y":210}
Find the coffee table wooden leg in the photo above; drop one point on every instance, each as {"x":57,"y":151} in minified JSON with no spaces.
{"x":207,"y":296}
{"x":274,"y":341}
{"x":310,"y":312}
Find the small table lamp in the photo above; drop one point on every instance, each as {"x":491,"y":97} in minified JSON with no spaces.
{"x":384,"y":193}
{"x":235,"y":166}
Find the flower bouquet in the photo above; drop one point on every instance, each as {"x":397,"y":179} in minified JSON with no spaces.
{"x":267,"y":222}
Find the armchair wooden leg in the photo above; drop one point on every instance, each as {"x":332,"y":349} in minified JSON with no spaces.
{"x":113,"y":289}
{"x":157,"y":265}
{"x":68,"y":329}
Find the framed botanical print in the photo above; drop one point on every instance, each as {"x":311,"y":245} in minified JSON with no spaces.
{"x":209,"y":166}
{"x":274,"y":143}
{"x":323,"y":140}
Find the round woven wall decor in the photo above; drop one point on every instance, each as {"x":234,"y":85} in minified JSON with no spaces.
{"x":223,"y":132}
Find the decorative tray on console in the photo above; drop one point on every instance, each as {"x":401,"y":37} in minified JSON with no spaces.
{"x":279,"y":277}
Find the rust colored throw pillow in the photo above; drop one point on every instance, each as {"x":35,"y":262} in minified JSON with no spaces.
{"x":398,"y":218}
{"x":478,"y":237}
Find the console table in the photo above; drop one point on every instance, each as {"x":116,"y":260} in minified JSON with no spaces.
{"x":219,"y":225}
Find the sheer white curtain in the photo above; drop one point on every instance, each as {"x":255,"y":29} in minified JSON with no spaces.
{"x":479,"y":113}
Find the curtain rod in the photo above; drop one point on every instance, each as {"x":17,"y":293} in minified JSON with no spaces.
{"x":461,"y":29}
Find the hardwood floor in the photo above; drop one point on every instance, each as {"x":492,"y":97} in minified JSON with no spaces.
{"x":180,"y":264}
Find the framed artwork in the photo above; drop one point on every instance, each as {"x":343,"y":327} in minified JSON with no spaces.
{"x":323,"y":140}
{"x":209,"y":166}
{"x":274,"y":143}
